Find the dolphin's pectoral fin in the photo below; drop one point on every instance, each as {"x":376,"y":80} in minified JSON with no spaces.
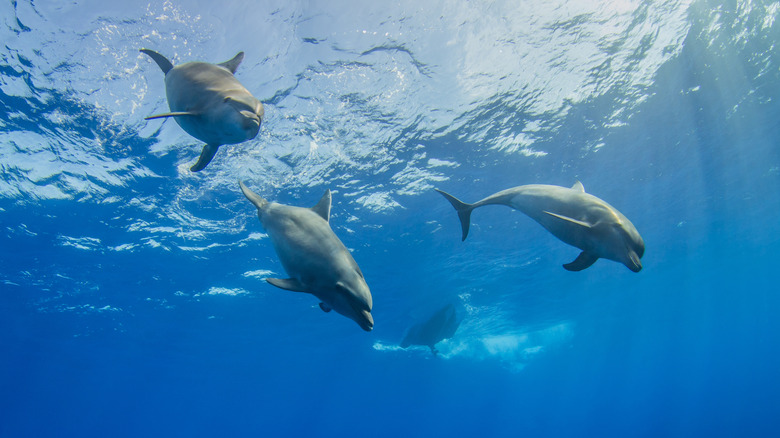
{"x":161,"y":61}
{"x":174,"y":114}
{"x":205,"y":157}
{"x":584,"y":260}
{"x":323,"y":206}
{"x":578,"y":187}
{"x":232,"y":65}
{"x":290,"y":284}
{"x":325,"y":308}
{"x":568,"y":219}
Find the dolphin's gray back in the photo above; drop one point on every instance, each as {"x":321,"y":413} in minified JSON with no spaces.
{"x":529,"y":197}
{"x":194,"y":86}
{"x":298,"y":230}
{"x":536,"y":199}
{"x":202,"y":88}
{"x":573,"y":216}
{"x":316,"y":261}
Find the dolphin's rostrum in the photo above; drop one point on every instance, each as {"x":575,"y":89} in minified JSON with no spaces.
{"x":314,"y":258}
{"x":573,"y":216}
{"x":209,"y":103}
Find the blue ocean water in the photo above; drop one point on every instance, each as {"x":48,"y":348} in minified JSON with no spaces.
{"x":133,"y":297}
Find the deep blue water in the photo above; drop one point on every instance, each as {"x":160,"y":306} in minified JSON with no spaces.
{"x":133,"y":297}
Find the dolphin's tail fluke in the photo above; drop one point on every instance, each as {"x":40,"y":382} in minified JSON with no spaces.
{"x":253,"y":197}
{"x":161,"y":61}
{"x":463,"y":209}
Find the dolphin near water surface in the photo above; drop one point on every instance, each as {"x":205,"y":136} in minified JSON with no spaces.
{"x":573,"y":216}
{"x":441,"y":325}
{"x":314,"y":258}
{"x":209,"y":103}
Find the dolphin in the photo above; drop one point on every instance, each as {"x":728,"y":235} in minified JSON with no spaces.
{"x":209,"y":103}
{"x":573,"y":216}
{"x":314,"y":258}
{"x":441,"y":325}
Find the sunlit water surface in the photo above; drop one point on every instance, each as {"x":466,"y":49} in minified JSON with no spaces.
{"x":133,"y":297}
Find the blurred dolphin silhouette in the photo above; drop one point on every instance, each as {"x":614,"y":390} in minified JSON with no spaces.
{"x":441,"y":325}
{"x":209,"y":103}
{"x":314,"y":258}
{"x":573,"y":216}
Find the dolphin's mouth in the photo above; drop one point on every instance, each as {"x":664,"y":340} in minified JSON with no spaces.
{"x":633,"y":262}
{"x":367,"y":321}
{"x":251,"y":120}
{"x":361,"y":309}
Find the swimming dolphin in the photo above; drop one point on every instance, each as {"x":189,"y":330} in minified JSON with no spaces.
{"x":577,"y":218}
{"x":209,"y":103}
{"x":314,"y":258}
{"x":442,"y":325}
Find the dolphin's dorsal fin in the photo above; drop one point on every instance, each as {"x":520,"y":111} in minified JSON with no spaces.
{"x":323,"y":207}
{"x":568,"y":219}
{"x":325,"y":308}
{"x":161,"y":61}
{"x":582,"y":261}
{"x":290,"y":284}
{"x":578,"y":187}
{"x":232,"y":65}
